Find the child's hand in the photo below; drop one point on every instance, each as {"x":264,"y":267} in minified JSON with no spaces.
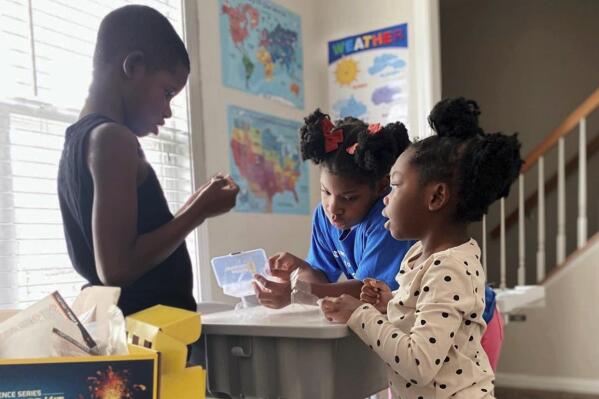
{"x":272,"y":294}
{"x":282,"y":264}
{"x":340,"y":309}
{"x":192,"y":198}
{"x":213,"y":198}
{"x":376,"y":293}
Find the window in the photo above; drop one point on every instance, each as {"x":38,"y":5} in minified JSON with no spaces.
{"x":46,"y":48}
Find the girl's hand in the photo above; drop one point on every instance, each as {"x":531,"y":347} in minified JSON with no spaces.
{"x":283,"y":263}
{"x":340,"y":309}
{"x":376,"y":293}
{"x":272,"y":294}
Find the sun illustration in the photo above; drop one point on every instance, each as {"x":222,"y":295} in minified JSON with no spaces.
{"x":346,"y":71}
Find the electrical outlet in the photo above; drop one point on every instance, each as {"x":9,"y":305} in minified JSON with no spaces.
{"x":517,"y":317}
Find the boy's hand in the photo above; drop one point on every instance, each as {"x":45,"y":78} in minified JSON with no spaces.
{"x":376,"y":293}
{"x":282,"y":264}
{"x":215,"y":197}
{"x":272,"y":294}
{"x":192,"y":198}
{"x":340,"y":309}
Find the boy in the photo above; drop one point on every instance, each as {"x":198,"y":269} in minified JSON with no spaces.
{"x":117,"y":224}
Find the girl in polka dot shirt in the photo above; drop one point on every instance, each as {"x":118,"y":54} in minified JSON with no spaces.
{"x":429,"y":331}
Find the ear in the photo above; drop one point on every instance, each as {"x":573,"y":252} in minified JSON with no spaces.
{"x":438,"y":196}
{"x":382,"y":185}
{"x":133,"y":63}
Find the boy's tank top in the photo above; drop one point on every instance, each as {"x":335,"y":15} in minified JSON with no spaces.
{"x":169,"y":283}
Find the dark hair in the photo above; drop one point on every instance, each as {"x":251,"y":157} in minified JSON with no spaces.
{"x":139,"y":28}
{"x":360,"y":154}
{"x":481,"y":166}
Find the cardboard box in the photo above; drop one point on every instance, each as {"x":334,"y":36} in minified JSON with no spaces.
{"x":128,"y":376}
{"x":156,"y":366}
{"x":169,"y":331}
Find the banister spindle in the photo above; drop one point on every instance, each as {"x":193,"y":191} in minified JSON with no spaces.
{"x":521,"y":231}
{"x":541,"y":222}
{"x":582,"y":183}
{"x":502,"y":262}
{"x":560,"y":244}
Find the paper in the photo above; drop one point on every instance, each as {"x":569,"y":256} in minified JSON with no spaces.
{"x":53,"y":310}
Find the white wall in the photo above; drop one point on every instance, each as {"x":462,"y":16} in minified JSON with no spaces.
{"x":556,"y":348}
{"x":242,"y":231}
{"x":321,"y":21}
{"x":534,"y":86}
{"x":567,"y":298}
{"x":341,"y":18}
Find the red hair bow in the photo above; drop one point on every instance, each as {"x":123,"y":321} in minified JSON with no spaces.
{"x":332,"y":138}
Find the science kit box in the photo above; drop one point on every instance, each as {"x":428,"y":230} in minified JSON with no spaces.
{"x":47,"y":353}
{"x":132,"y":376}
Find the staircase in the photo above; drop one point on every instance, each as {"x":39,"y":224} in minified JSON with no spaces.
{"x":530,"y":294}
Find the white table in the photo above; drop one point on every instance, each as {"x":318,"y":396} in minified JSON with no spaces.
{"x":291,"y":353}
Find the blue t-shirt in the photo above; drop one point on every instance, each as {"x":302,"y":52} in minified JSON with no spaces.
{"x":365,"y":250}
{"x":489,"y":304}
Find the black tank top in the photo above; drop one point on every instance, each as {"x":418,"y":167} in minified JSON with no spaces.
{"x":169,"y":283}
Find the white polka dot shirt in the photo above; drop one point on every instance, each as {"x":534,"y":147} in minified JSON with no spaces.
{"x":430,"y":337}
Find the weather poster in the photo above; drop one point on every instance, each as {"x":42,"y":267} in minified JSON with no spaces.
{"x":368,"y":75}
{"x":261,"y":50}
{"x":266,"y":163}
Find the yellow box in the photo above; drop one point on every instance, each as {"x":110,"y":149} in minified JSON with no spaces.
{"x":169,"y":331}
{"x":134,"y":375}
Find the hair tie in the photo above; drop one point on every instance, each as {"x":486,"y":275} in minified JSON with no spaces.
{"x":374,"y":128}
{"x":351,"y":150}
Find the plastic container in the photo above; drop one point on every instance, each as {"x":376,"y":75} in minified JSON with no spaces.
{"x":235,"y":272}
{"x":290,"y":353}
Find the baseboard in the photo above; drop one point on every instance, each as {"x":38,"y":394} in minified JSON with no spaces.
{"x":548,"y":383}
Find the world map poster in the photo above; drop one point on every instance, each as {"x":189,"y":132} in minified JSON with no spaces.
{"x":261,"y":50}
{"x":368,"y":76}
{"x":266,"y":163}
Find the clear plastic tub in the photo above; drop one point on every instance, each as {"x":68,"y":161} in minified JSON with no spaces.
{"x":235,"y":272}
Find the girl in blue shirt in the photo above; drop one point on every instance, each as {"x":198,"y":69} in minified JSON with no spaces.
{"x":348,"y":233}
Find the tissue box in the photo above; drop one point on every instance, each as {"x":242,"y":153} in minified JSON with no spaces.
{"x":128,"y":376}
